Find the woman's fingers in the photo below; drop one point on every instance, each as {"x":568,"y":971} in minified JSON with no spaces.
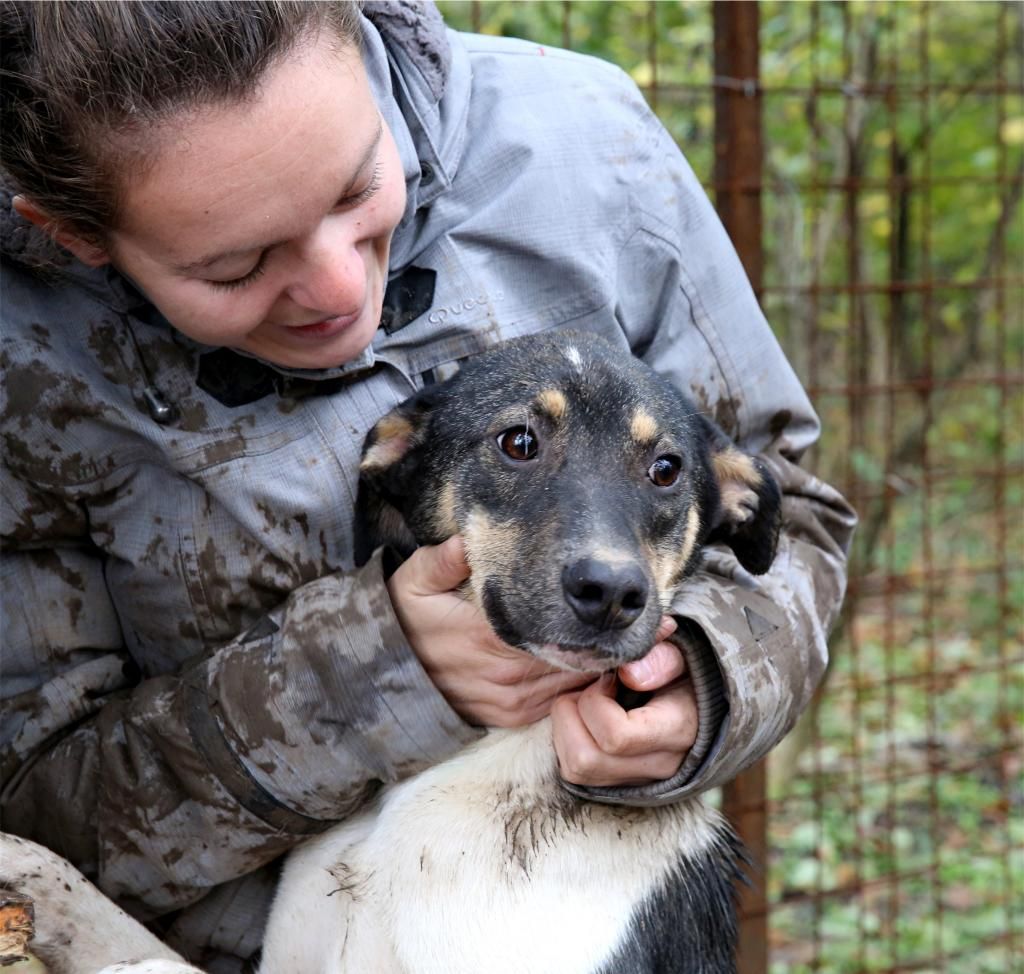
{"x":600,"y":744}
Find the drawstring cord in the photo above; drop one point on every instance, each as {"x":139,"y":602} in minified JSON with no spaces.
{"x":161,"y":410}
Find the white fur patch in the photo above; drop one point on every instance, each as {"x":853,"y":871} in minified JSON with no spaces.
{"x":572,"y":353}
{"x":474,"y":866}
{"x":578,"y":660}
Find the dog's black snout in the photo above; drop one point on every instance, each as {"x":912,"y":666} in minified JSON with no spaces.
{"x":607,"y":596}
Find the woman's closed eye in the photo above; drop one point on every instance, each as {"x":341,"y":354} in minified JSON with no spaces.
{"x":247,"y":278}
{"x":345,"y":203}
{"x":357,"y":199}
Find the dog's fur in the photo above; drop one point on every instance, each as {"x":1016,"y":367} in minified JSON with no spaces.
{"x":585,"y":487}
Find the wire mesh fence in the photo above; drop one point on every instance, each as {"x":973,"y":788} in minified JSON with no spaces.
{"x":879,"y":213}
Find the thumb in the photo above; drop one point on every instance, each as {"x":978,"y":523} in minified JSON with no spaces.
{"x":441,"y":568}
{"x":663,"y":664}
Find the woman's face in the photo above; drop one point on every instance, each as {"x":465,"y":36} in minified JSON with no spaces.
{"x":266,"y":226}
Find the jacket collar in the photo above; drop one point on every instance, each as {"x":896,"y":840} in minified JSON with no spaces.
{"x":421,"y":82}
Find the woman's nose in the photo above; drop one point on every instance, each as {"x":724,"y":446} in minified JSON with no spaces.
{"x":330,"y":273}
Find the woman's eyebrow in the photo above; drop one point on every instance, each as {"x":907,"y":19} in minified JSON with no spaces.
{"x":364,"y":161}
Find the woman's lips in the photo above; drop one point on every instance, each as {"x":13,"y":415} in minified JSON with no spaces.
{"x":323,"y":329}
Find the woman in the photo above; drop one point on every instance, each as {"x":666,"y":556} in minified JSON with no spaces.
{"x":277,"y":220}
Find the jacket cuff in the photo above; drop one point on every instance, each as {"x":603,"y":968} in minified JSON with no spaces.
{"x":730,"y":635}
{"x":321,"y":703}
{"x":712,"y":700}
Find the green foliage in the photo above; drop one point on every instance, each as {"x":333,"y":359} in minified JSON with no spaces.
{"x":664,"y":47}
{"x":894,"y":278}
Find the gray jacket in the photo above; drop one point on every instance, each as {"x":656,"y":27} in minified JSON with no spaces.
{"x":196,"y":676}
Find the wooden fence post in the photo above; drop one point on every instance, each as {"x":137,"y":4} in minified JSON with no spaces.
{"x":739,"y":157}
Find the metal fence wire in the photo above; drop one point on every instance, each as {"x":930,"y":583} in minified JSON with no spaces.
{"x":867,"y":159}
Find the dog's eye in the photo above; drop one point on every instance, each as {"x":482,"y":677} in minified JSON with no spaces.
{"x":518,"y":443}
{"x":664,"y":472}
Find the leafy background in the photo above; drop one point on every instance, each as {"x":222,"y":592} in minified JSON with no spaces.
{"x":894,"y":277}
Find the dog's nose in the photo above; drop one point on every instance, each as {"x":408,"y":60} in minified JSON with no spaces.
{"x":607,"y":596}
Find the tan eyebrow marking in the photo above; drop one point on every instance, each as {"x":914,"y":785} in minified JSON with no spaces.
{"x":643,"y":426}
{"x":552,"y":402}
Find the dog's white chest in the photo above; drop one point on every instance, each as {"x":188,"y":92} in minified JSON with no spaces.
{"x":480,"y":864}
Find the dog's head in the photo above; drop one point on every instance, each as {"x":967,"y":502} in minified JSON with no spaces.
{"x":584,"y":486}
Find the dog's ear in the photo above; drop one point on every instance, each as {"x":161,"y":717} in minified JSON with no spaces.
{"x":746,"y":502}
{"x":391,"y":457}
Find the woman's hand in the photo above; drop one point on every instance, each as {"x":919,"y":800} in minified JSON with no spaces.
{"x":486,"y":681}
{"x":598,"y":743}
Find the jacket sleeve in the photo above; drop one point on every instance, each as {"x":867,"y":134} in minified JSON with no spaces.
{"x":161,"y":788}
{"x":756,"y":646}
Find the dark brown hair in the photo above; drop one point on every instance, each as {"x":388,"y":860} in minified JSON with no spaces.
{"x":81,"y":82}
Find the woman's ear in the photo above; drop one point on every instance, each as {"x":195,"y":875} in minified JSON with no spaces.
{"x":88,"y":253}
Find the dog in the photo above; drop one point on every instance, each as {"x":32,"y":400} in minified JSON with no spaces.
{"x":585,"y":487}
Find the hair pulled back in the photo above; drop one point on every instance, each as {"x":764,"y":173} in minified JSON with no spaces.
{"x":80,"y":83}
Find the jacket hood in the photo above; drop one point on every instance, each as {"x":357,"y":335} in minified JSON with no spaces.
{"x":421,"y":85}
{"x":417,"y":29}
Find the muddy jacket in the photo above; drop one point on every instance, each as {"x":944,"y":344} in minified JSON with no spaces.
{"x":196,"y":675}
